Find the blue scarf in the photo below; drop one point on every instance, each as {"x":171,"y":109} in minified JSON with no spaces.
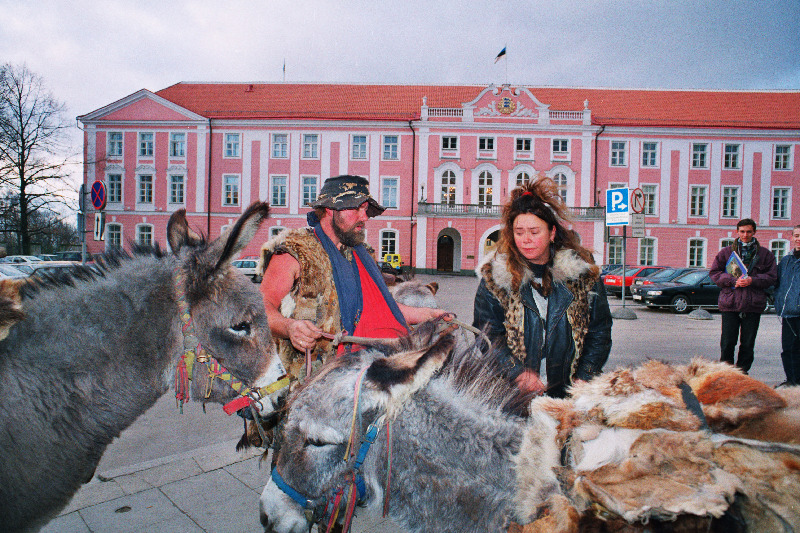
{"x":348,"y":282}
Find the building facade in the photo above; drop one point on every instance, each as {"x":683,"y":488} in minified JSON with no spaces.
{"x":443,"y":159}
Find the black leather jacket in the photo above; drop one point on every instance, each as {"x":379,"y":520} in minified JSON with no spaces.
{"x":557,"y":345}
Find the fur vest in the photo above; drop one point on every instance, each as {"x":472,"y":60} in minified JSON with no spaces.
{"x":313,"y":296}
{"x":568,"y":270}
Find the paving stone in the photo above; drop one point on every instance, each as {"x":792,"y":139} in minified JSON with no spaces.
{"x":132,"y":483}
{"x":92,"y":493}
{"x":171,"y":472}
{"x":251,"y":472}
{"x":149,"y":510}
{"x":67,"y":523}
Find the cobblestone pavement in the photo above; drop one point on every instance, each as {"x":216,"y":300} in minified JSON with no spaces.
{"x":171,"y":472}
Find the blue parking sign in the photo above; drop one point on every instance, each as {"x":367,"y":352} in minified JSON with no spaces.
{"x":618,"y":207}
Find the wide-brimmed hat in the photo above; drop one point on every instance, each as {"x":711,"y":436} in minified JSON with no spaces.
{"x":347,"y":192}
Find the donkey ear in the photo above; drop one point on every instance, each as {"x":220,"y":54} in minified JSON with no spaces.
{"x":234,"y":241}
{"x":401,"y":375}
{"x":179,"y":234}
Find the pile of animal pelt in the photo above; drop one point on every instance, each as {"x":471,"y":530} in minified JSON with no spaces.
{"x":698,"y":447}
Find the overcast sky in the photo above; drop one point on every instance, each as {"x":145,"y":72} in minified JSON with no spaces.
{"x":93,"y":52}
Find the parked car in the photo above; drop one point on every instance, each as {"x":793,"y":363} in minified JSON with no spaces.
{"x":52,"y":267}
{"x":48,"y":257}
{"x":687,"y":291}
{"x":613,"y":282}
{"x":69,"y":256}
{"x":21,"y":259}
{"x":8,"y":271}
{"x":666,"y":274}
{"x":606,"y":269}
{"x":394,"y":261}
{"x":249,"y":267}
{"x":617,"y":270}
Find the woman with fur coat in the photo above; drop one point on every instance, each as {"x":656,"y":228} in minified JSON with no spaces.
{"x":540,"y":298}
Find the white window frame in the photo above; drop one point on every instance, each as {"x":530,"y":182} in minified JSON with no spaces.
{"x":787,"y":201}
{"x":171,"y":198}
{"x":306,"y":183}
{"x":562,"y":184}
{"x":275,"y":230}
{"x":560,"y":154}
{"x":386,"y":236}
{"x":693,"y":261}
{"x":140,"y":232}
{"x":618,"y":153}
{"x":390,"y":196}
{"x":116,"y":147}
{"x":454,"y":139}
{"x":147,"y":145}
{"x":489,"y":149}
{"x":359,"y":151}
{"x":732,"y":160}
{"x":110,"y":226}
{"x":650,"y":156}
{"x":648,"y":244}
{"x":115,"y":190}
{"x":700,"y":158}
{"x":782,"y":161}
{"x":177,"y":145}
{"x":279,"y":185}
{"x":481,"y":188}
{"x":279,"y":147}
{"x":310,"y":146}
{"x":140,"y":189}
{"x":693,"y":210}
{"x":390,"y":151}
{"x":726,"y":211}
{"x":785,"y":247}
{"x":232,"y":146}
{"x":615,"y":250}
{"x":448,"y":197}
{"x":524,"y":141}
{"x":231,"y":190}
{"x":518,"y":175}
{"x":650,"y":191}
{"x":726,"y":241}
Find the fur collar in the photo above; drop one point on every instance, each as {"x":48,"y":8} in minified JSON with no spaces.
{"x":567,"y":267}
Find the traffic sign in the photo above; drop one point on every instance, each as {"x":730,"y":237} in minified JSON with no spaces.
{"x":637,"y":200}
{"x":98,"y":193}
{"x":618,"y":207}
{"x":99,"y":226}
{"x":637,"y":225}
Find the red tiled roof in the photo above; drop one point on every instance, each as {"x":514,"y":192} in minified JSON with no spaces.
{"x":619,"y":107}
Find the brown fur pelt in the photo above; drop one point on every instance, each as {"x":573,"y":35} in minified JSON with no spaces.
{"x":10,"y":305}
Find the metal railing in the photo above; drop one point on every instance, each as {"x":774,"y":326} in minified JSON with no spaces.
{"x":474,"y":210}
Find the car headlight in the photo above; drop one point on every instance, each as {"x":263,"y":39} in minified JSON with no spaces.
{"x":654,"y":293}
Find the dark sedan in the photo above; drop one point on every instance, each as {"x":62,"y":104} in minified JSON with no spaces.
{"x":667,"y":274}
{"x":692,"y":289}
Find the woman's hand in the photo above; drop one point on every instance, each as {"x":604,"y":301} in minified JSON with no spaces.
{"x":529,"y":382}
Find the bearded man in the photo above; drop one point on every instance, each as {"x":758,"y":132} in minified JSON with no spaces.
{"x":322,"y":279}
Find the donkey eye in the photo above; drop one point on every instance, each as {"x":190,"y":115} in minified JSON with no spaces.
{"x":314,"y":442}
{"x":241,"y":329}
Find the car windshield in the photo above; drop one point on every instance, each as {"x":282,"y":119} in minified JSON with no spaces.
{"x":632,"y":271}
{"x":9,"y":270}
{"x":690,"y":278}
{"x":662,"y":274}
{"x":614,"y":271}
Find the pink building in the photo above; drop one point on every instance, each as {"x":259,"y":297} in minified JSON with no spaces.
{"x":442,"y":159}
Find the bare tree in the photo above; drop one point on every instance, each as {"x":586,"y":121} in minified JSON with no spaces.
{"x":33,"y":141}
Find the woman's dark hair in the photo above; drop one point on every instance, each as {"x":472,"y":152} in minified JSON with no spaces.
{"x":538,"y":197}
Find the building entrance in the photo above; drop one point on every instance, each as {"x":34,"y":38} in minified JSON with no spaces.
{"x":444,"y":253}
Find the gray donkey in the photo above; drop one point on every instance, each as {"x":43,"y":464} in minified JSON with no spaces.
{"x":85,"y":355}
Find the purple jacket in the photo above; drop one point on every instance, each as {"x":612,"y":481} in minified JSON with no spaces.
{"x":752,"y":299}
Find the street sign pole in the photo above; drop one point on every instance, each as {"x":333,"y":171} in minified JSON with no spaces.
{"x":618,"y":213}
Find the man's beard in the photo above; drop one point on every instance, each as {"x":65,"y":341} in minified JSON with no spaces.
{"x":352,"y":237}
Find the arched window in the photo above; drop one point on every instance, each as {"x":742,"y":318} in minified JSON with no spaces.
{"x":523,"y":178}
{"x":561,"y":181}
{"x":485,"y":189}
{"x":448,"y":188}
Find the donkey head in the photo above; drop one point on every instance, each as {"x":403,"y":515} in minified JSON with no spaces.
{"x":227,"y":310}
{"x":319,"y":426}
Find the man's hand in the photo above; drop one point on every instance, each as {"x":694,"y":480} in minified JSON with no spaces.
{"x":303,"y":334}
{"x":744,"y":281}
{"x":417,"y":315}
{"x":529,"y":381}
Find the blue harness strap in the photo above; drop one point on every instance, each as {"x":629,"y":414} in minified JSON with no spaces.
{"x":300,"y":499}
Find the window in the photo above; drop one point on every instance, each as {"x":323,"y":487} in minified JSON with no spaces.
{"x":449,"y":143}
{"x":230,"y":189}
{"x":279,"y":191}
{"x":783,"y":155}
{"x":359,"y":147}
{"x":697,"y":201}
{"x":145,"y":189}
{"x":232,"y":145}
{"x":647,"y":251}
{"x":145,"y":144}
{"x":275,"y":230}
{"x":618,"y":153}
{"x":561,"y":182}
{"x":650,"y":199}
{"x":114,"y":182}
{"x":176,"y":189}
{"x":448,"y":188}
{"x":144,"y":234}
{"x":730,"y":202}
{"x":280,"y":145}
{"x":113,"y":235}
{"x":560,"y":146}
{"x":485,"y":189}
{"x":779,"y":249}
{"x":310,"y":146}
{"x":731,"y":156}
{"x":523,"y":178}
{"x":390,"y":147}
{"x":649,"y":154}
{"x":697,"y":253}
{"x":780,"y":202}
{"x":177,"y":145}
{"x":389,"y":193}
{"x":699,"y":155}
{"x":115,"y":144}
{"x":485,"y":144}
{"x":523,"y":144}
{"x":388,"y":242}
{"x":309,"y":189}
{"x":726,"y":242}
{"x":615,"y":250}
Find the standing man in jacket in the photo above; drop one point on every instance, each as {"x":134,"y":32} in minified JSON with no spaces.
{"x":743,"y":296}
{"x":787,"y":306}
